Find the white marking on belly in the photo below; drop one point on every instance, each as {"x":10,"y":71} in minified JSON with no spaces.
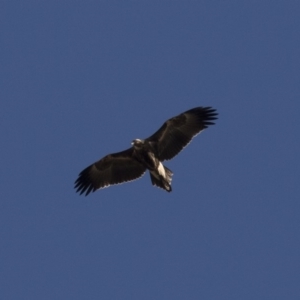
{"x":161,"y":170}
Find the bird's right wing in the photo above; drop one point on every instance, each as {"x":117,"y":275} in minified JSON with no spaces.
{"x":112,"y":169}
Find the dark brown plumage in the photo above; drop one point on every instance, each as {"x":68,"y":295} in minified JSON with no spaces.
{"x":164,"y":144}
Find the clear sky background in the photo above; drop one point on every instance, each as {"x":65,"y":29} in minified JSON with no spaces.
{"x":82,"y":79}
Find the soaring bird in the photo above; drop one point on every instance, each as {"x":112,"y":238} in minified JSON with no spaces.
{"x":147,"y":154}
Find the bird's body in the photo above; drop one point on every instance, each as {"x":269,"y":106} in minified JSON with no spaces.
{"x":144,"y":153}
{"x":147,"y":154}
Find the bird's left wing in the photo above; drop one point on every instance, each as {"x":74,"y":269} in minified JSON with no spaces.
{"x":178,"y":131}
{"x":112,"y":169}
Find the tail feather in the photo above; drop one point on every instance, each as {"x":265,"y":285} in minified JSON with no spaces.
{"x":162,"y":182}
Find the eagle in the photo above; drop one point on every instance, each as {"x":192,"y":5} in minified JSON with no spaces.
{"x":147,"y":154}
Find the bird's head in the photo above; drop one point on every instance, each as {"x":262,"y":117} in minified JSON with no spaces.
{"x":137,"y":143}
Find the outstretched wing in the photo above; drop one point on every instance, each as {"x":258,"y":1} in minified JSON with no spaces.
{"x":178,"y":131}
{"x":112,"y":169}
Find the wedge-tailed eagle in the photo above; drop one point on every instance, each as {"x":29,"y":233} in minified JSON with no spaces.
{"x":147,"y":154}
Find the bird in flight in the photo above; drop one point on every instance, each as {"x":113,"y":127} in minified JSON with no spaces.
{"x":147,"y":154}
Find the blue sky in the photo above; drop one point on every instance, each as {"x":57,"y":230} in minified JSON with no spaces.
{"x":82,"y":79}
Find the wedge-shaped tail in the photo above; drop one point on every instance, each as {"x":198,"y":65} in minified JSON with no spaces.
{"x":161,"y":181}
